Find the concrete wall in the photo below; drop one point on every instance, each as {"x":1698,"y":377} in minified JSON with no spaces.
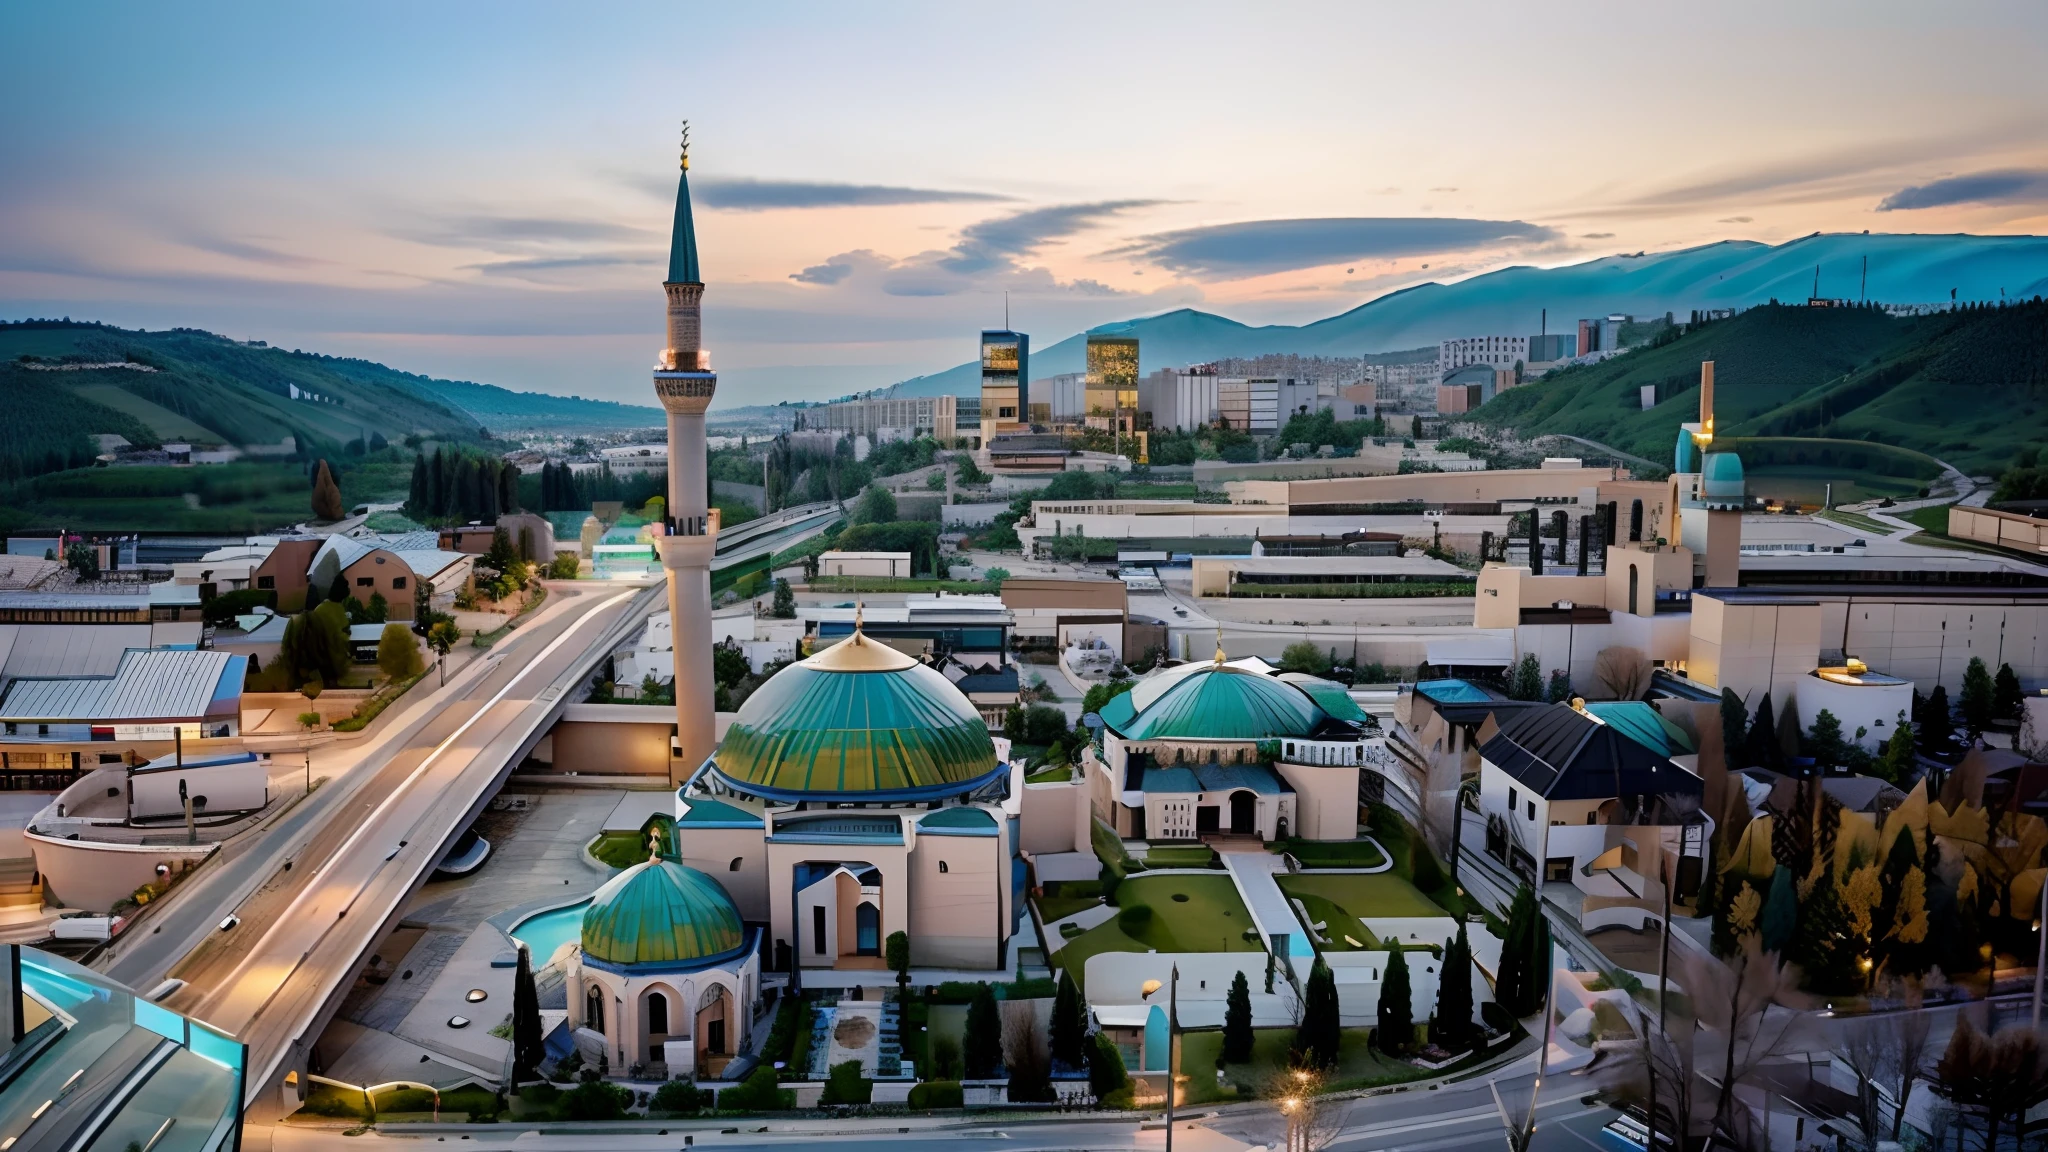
{"x":633,"y":744}
{"x":1756,"y":648}
{"x":1119,"y":977}
{"x":1325,"y":800}
{"x":1429,"y":487}
{"x":2003,"y":529}
{"x":957,"y":916}
{"x":712,"y":852}
{"x":1054,"y":818}
{"x":83,"y":874}
{"x":222,"y":787}
{"x":1873,"y":708}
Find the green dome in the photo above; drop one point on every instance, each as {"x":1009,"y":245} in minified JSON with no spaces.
{"x":858,"y":720}
{"x":1212,"y":702}
{"x":660,"y":912}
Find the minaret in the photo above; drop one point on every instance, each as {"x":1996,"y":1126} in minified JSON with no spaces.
{"x":684,"y":382}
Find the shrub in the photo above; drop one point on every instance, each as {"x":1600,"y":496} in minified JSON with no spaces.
{"x":678,"y":1097}
{"x":398,"y":654}
{"x":759,"y":1092}
{"x":936,"y":1094}
{"x":1106,"y":1074}
{"x":596,"y":1100}
{"x":845,"y":1085}
{"x":945,"y":1061}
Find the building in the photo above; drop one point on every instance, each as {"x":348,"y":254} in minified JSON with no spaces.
{"x":1111,"y":401}
{"x":1005,"y":383}
{"x":1331,"y":576}
{"x":1601,"y":334}
{"x":1550,"y":348}
{"x":96,"y":1064}
{"x":1261,"y":404}
{"x":152,"y":695}
{"x":885,"y":565}
{"x":394,"y":567}
{"x":1493,"y":351}
{"x":629,"y":460}
{"x":884,"y":418}
{"x":1465,"y":389}
{"x":1179,"y":401}
{"x":972,"y":630}
{"x":1065,"y":399}
{"x":227,"y":782}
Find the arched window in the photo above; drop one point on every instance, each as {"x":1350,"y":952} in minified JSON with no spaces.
{"x":1633,"y":574}
{"x":593,"y":1009}
{"x":657,"y":1014}
{"x":943,"y":868}
{"x":1635,"y":520}
{"x":734,"y":866}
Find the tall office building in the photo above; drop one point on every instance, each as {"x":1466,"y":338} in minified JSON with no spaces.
{"x":685,"y":384}
{"x":1005,"y":383}
{"x":1112,"y":387}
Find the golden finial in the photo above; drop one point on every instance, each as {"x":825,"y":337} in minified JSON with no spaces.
{"x":1219,"y":644}
{"x":686,"y":145}
{"x":653,"y":843}
{"x":859,"y":611}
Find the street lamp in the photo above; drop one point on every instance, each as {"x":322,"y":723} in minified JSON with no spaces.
{"x":1172,"y":992}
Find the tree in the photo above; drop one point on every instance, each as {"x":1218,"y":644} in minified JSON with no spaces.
{"x":1760,"y":747}
{"x":1527,"y":681}
{"x":326,"y":495}
{"x":1305,"y":656}
{"x":398,"y":654}
{"x":1559,"y":690}
{"x":1026,"y":1056}
{"x":324,"y":643}
{"x":527,"y":1048}
{"x":844,"y":1084}
{"x":785,"y":601}
{"x":1237,"y":1021}
{"x":1395,"y":1034}
{"x":1523,"y":961}
{"x":1734,"y":727}
{"x":981,"y":1049}
{"x":1896,"y":763}
{"x":1317,"y":1035}
{"x":1824,"y":741}
{"x":1069,"y":1023}
{"x":896,"y":951}
{"x":378,"y":610}
{"x":1623,"y":671}
{"x":1740,"y":1001}
{"x":1935,"y":722}
{"x":2006,"y":698}
{"x":1106,"y":1075}
{"x":1977,"y":700}
{"x":877,"y":506}
{"x":1781,"y":912}
{"x":443,"y":635}
{"x":1099,"y":695}
{"x":83,"y":559}
{"x":1452,"y":1029}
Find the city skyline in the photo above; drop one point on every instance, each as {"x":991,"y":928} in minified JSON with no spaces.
{"x":487,"y":200}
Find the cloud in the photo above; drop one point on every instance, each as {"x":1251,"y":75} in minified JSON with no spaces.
{"x":1260,"y":247}
{"x":1443,"y":189}
{"x":744,"y":194}
{"x":539,"y":267}
{"x":478,"y":231}
{"x":997,"y":243}
{"x":255,"y":253}
{"x":1734,"y":220}
{"x":2001,"y":186}
{"x":1597,"y":236}
{"x":840,"y":267}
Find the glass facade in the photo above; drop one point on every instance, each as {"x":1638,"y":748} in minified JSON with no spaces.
{"x":1005,"y":382}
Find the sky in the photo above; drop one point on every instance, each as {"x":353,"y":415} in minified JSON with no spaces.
{"x":483,"y":191}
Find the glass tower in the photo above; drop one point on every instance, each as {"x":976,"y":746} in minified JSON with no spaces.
{"x":1005,"y":383}
{"x":1111,"y":403}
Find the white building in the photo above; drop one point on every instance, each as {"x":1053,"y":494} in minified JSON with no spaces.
{"x":1499,"y":351}
{"x":1261,"y":404}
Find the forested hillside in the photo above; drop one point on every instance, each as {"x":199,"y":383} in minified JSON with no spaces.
{"x":1967,"y":387}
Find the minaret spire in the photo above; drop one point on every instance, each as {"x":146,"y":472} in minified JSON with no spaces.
{"x":682,"y":243}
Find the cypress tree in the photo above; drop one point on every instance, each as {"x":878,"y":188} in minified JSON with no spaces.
{"x":527,"y":1050}
{"x":1781,"y":912}
{"x":437,"y":484}
{"x":1976,"y":698}
{"x":1452,"y":1030}
{"x":508,"y":487}
{"x":1936,"y":725}
{"x":2007,"y":700}
{"x":326,"y":494}
{"x":1395,"y":1033}
{"x":1760,"y":747}
{"x":981,"y":1048}
{"x":1069,"y":1023}
{"x":1515,"y":983}
{"x":1734,"y":728}
{"x":1315,"y":1042}
{"x":1106,"y":1075}
{"x":416,"y":496}
{"x":1237,"y":1022}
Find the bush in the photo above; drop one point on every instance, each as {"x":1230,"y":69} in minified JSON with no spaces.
{"x":782,"y":1033}
{"x":945,"y":1061}
{"x":563,"y":567}
{"x":759,"y":1092}
{"x":845,"y":1085}
{"x":228,"y":605}
{"x":678,"y":1098}
{"x":596,"y":1100}
{"x":398,"y":654}
{"x":936,"y":1094}
{"x":1135,"y":921}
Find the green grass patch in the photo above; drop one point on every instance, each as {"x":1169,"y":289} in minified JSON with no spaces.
{"x":1154,"y":915}
{"x":379,"y":700}
{"x":1180,"y":856}
{"x":1388,"y":591}
{"x":1052,"y":774}
{"x":1331,"y":853}
{"x":1859,"y":522}
{"x":1931,"y":519}
{"x":1360,"y":895}
{"x":1339,"y":926}
{"x":1358,"y":1065}
{"x":1051,"y":908}
{"x":620,"y":849}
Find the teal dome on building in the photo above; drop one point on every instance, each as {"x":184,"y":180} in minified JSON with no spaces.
{"x":857,"y":721}
{"x":1685,"y":455}
{"x":1721,"y":480}
{"x":1218,"y":702}
{"x":659,"y":912}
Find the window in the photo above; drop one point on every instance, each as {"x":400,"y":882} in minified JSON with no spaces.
{"x":1592,"y":817}
{"x":942,"y":866}
{"x":398,"y":583}
{"x":1532,"y":809}
{"x":818,"y":929}
{"x":1513,"y":798}
{"x":266,"y":582}
{"x":734,"y":866}
{"x":366,"y":581}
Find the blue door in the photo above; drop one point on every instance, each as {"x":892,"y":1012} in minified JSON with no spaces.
{"x":867,"y":927}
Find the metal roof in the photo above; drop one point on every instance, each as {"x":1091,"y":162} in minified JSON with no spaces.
{"x":49,"y":650}
{"x":1560,"y":753}
{"x":1184,"y":778}
{"x":150,"y":684}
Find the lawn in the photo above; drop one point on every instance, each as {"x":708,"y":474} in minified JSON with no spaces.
{"x":1180,"y":856}
{"x":1332,"y":853}
{"x":1860,"y":523}
{"x":1809,"y":483}
{"x":1052,"y":774}
{"x":1179,"y":914}
{"x":1358,"y":897}
{"x":1052,"y":908}
{"x":1933,"y":518}
{"x":620,"y":849}
{"x":1358,"y":1066}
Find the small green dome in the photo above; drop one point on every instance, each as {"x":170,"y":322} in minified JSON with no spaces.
{"x":660,"y":912}
{"x":1721,"y":481}
{"x":856,"y":720}
{"x":1212,"y":702}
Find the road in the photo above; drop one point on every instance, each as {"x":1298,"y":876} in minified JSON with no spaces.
{"x":315,"y":893}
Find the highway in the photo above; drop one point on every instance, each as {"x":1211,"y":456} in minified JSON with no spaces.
{"x":315,"y":893}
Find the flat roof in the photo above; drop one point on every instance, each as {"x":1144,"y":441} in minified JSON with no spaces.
{"x":1361,"y":565}
{"x":150,"y":684}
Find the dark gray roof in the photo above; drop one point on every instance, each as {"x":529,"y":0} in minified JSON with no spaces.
{"x":1562,"y":754}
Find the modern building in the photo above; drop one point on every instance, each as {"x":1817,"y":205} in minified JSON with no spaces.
{"x":972,"y":629}
{"x":885,"y":417}
{"x":151,"y":696}
{"x":1179,"y":401}
{"x":94,"y":1064}
{"x":1493,"y":351}
{"x":1064,"y":399}
{"x":1552,"y":347}
{"x":857,"y":564}
{"x":628,"y":460}
{"x":1112,"y":385}
{"x":1261,"y":404}
{"x":1601,"y":334}
{"x":1005,"y":383}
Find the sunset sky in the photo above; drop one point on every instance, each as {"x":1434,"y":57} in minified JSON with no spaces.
{"x":483,"y":191}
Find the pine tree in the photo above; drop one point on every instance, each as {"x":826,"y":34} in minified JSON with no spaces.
{"x":416,"y":495}
{"x":1935,"y":723}
{"x":981,"y":1048}
{"x":326,"y":495}
{"x":527,"y":1049}
{"x":1452,"y":1030}
{"x":1760,"y":747}
{"x":1395,"y":1033}
{"x":1734,"y":728}
{"x":1976,"y":699}
{"x":1069,"y":1023}
{"x":1528,"y":679}
{"x":1237,"y":1021}
{"x":2006,"y":698}
{"x":1781,"y":912}
{"x":1559,"y":690}
{"x":1895,"y":765}
{"x":1515,"y":981}
{"x":1315,"y":1041}
{"x":1106,"y":1075}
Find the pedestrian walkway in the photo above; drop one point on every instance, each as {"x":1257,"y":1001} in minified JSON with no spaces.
{"x":1253,"y":872}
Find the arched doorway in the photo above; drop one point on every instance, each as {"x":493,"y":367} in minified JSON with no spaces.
{"x":593,"y":1009}
{"x":1244,"y":813}
{"x":867,"y":929}
{"x":657,"y":1017}
{"x":1633,"y":573}
{"x":714,"y":1028}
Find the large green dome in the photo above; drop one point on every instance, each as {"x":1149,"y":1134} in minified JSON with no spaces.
{"x":1212,"y":702}
{"x":660,"y":912}
{"x":858,"y":720}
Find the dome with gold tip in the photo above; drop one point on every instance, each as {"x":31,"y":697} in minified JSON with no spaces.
{"x":857,"y":721}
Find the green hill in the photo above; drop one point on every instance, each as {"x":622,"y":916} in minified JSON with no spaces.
{"x":1966,"y":387}
{"x":504,"y":411}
